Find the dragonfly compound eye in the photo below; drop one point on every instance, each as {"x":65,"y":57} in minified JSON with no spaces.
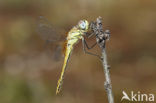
{"x":83,"y":24}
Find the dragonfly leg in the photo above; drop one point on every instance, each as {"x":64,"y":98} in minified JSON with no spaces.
{"x":86,"y":45}
{"x":92,"y":34}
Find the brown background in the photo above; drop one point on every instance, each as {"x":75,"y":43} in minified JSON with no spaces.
{"x":28,"y":74}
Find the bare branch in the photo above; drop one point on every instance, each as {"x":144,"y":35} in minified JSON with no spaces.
{"x":101,"y":38}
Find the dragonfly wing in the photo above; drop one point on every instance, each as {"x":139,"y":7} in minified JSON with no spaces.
{"x":46,"y":30}
{"x":54,"y":52}
{"x":52,"y":36}
{"x":57,"y":53}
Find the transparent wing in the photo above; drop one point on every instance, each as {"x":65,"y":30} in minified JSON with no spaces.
{"x":52,"y":36}
{"x":47,"y":31}
{"x":54,"y":52}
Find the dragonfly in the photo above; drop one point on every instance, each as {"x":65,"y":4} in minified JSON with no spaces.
{"x":77,"y":33}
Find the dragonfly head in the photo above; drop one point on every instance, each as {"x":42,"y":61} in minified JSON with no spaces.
{"x":83,"y":25}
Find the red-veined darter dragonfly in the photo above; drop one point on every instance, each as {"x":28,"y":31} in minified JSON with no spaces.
{"x":47,"y":32}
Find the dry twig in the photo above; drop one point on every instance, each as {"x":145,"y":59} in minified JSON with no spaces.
{"x":101,"y":38}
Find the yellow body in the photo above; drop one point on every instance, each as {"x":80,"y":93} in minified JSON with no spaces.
{"x":74,"y":35}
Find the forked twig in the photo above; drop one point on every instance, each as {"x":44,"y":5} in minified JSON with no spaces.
{"x":101,"y":37}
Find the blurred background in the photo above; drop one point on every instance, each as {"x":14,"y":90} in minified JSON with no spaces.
{"x":29,"y":71}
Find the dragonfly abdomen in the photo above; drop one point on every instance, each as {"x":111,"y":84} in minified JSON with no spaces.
{"x":68,"y":51}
